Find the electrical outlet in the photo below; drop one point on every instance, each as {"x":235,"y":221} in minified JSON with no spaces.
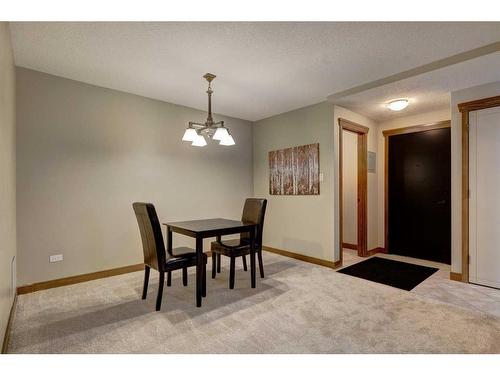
{"x":56,"y":258}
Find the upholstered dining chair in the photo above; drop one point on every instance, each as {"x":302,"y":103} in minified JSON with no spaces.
{"x":254,"y":211}
{"x":154,"y":252}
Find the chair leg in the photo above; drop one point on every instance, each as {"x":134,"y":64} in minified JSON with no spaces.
{"x":214,"y":264}
{"x":261,"y":264}
{"x":231,"y":273}
{"x":184,"y":276}
{"x":169,"y":278}
{"x":244,"y":257}
{"x":218,"y":263}
{"x":146,"y":281}
{"x":160,"y":290}
{"x":204,"y":281}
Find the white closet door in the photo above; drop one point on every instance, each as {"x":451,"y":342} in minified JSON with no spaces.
{"x":484,"y":204}
{"x":350,"y":187}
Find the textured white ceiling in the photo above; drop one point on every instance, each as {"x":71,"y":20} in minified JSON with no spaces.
{"x":263,"y":68}
{"x":426,"y":92}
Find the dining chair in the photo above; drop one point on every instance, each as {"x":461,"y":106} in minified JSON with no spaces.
{"x":154,"y":252}
{"x":254,"y":211}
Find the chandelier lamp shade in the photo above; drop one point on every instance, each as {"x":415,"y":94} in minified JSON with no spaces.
{"x":196,"y":133}
{"x":190,"y":135}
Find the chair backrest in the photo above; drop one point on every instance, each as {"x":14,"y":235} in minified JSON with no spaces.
{"x":254,"y":211}
{"x":152,"y":239}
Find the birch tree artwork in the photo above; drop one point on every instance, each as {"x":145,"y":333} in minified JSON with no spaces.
{"x":294,"y":170}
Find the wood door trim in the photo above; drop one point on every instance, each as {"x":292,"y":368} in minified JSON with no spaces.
{"x":386,"y":194}
{"x":362,"y":195}
{"x":464,"y":109}
{"x":352,"y":126}
{"x":351,"y":246}
{"x":376,"y":250}
{"x":418,"y":128}
{"x":362,"y":132}
{"x":387,"y":134}
{"x":476,"y":105}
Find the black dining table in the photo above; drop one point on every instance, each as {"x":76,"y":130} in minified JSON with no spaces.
{"x":206,"y":228}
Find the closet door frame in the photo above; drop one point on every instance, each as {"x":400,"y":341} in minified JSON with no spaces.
{"x":362,"y":189}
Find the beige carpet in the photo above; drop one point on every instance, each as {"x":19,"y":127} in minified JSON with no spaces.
{"x":297,"y":308}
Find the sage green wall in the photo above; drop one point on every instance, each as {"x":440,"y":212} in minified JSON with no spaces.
{"x":7,"y":176}
{"x":85,"y":153}
{"x":302,"y":224}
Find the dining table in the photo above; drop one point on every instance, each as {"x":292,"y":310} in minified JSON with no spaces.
{"x":207,"y":228}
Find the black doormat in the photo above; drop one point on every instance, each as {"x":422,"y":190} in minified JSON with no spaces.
{"x":390,"y":272}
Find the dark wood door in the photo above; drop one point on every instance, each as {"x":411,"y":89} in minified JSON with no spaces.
{"x":420,"y":195}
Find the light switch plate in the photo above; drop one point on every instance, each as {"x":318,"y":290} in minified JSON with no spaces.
{"x":321,"y":177}
{"x":56,"y":258}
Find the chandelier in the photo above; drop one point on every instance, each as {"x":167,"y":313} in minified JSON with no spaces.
{"x":196,"y":132}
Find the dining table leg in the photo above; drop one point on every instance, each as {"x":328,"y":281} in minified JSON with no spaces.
{"x":199,"y":270}
{"x":252,"y":257}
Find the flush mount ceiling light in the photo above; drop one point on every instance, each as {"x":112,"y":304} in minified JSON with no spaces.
{"x":398,"y":104}
{"x":196,"y":132}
